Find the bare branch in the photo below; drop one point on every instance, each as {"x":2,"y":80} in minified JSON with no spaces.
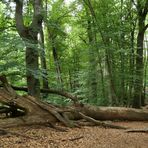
{"x":50,"y":90}
{"x":145,"y":28}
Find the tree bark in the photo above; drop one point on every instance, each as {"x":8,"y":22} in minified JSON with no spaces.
{"x":142,"y":11}
{"x":29,"y":36}
{"x":132,"y":57}
{"x":92,"y":72}
{"x":57,"y":63}
{"x":43,"y":59}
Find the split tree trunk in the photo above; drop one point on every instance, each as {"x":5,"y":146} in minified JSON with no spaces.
{"x":29,"y":36}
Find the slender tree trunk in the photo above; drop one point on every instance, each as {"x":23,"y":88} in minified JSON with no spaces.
{"x":131,"y":77}
{"x":106,"y":43}
{"x":92,"y":76}
{"x":114,"y":99}
{"x":43,"y":60}
{"x":145,"y":73}
{"x":52,"y":37}
{"x":121,"y":46}
{"x":57,"y":64}
{"x":139,"y":72}
{"x":138,"y":94}
{"x":132,"y":65}
{"x":102,"y":80}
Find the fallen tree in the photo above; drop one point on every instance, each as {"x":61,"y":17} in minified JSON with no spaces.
{"x":27,"y":110}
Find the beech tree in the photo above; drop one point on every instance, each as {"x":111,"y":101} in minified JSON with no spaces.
{"x":93,"y":49}
{"x":29,"y":36}
{"x":142,"y":11}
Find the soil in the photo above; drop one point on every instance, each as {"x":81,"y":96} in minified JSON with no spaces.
{"x":84,"y":137}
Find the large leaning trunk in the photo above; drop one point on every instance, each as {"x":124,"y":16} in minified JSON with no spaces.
{"x":29,"y":36}
{"x":26,"y":110}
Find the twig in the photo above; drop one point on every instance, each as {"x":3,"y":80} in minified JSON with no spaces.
{"x":73,"y":139}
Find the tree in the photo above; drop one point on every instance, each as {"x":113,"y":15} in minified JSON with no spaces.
{"x":43,"y":59}
{"x":142,"y":11}
{"x":92,"y":48}
{"x":95,"y":42}
{"x":53,"y":22}
{"x":29,"y":36}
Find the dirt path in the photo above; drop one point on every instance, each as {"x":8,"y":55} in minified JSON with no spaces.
{"x":86,"y":137}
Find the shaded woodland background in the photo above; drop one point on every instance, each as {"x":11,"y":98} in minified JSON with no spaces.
{"x":94,"y":49}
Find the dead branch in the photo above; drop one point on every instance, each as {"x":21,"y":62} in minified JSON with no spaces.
{"x":50,"y":90}
{"x":101,"y":123}
{"x":145,"y":130}
{"x":73,"y":139}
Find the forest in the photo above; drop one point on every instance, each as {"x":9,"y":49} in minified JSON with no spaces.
{"x":73,"y":62}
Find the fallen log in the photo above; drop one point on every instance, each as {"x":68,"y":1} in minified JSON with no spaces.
{"x":115,"y":113}
{"x":38,"y":112}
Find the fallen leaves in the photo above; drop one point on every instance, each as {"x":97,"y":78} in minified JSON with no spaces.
{"x":85,"y":137}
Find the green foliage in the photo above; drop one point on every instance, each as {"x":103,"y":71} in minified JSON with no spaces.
{"x":12,"y":50}
{"x":95,"y":42}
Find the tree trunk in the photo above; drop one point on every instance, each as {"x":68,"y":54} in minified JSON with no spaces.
{"x":92,"y":71}
{"x":43,"y":60}
{"x":106,"y":42}
{"x":32,"y":67}
{"x":138,"y":94}
{"x":114,"y":99}
{"x":29,"y":36}
{"x":132,"y":62}
{"x":57,"y":63}
{"x":52,"y":38}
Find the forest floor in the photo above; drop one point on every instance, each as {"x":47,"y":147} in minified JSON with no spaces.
{"x":84,"y":137}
